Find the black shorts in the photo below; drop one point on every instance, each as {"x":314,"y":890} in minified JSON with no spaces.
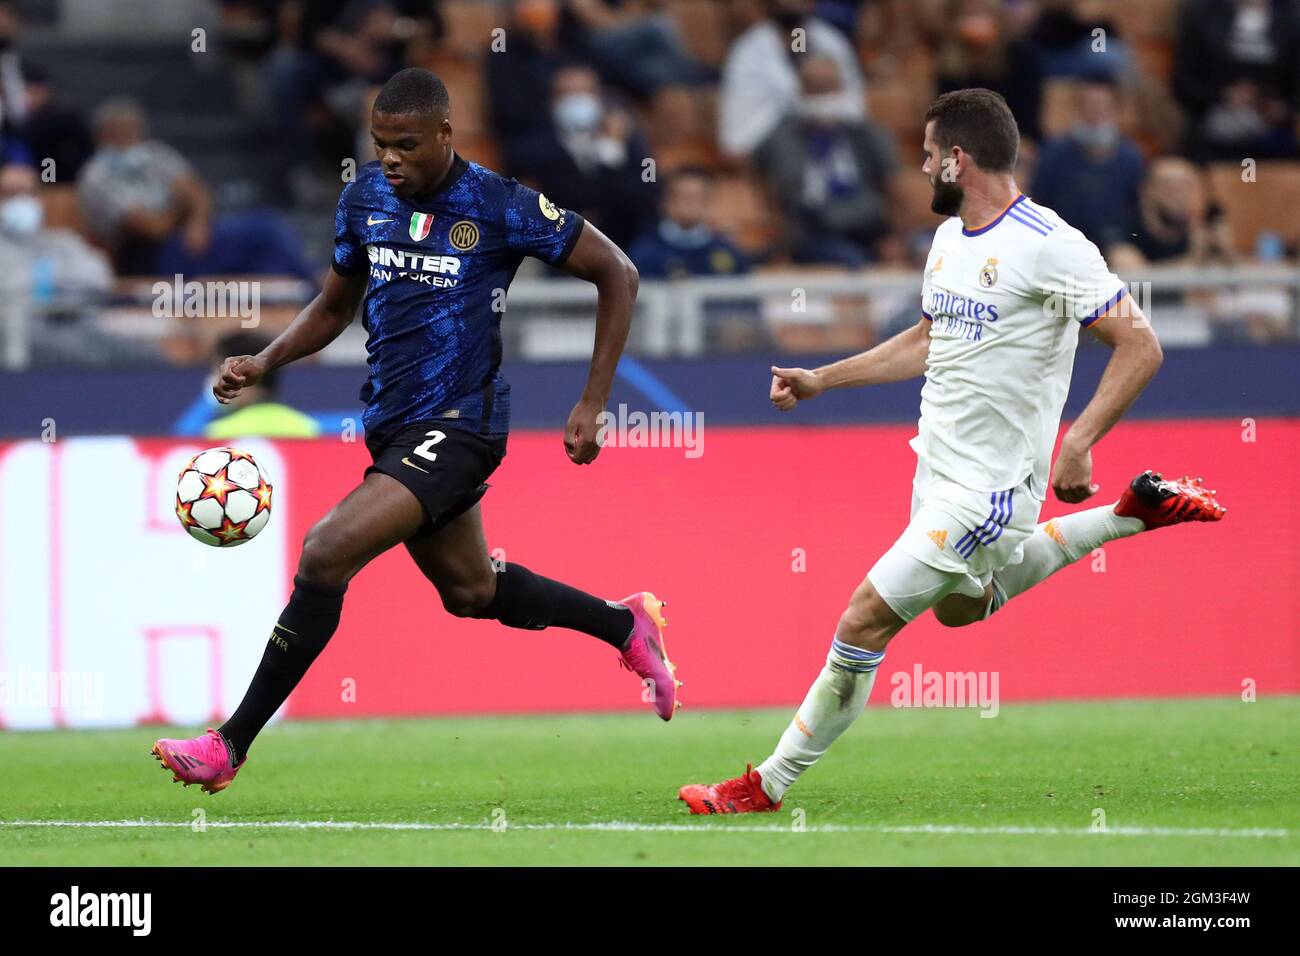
{"x":446,"y":468}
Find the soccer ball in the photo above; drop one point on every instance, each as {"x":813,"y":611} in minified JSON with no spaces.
{"x":223,"y":497}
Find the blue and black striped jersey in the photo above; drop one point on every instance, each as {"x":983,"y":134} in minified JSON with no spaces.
{"x":439,"y":267}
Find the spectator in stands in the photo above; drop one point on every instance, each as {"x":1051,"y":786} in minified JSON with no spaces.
{"x":330,"y":53}
{"x":1176,"y":224}
{"x":760,"y":79}
{"x":13,"y":99}
{"x":841,"y":14}
{"x":53,"y":280}
{"x":254,"y":412}
{"x":634,"y":45}
{"x":684,"y":243}
{"x":530,"y":61}
{"x":984,"y":43}
{"x":1237,"y":73}
{"x":54,"y":130}
{"x":829,"y":170}
{"x":1091,"y":175}
{"x":146,"y":202}
{"x":1069,"y":39}
{"x":590,"y":157}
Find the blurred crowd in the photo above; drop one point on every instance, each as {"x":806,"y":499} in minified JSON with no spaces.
{"x":706,"y":137}
{"x":575,"y":96}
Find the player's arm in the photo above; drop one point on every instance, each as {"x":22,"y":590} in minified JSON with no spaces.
{"x":1136,"y":355}
{"x":315,"y":327}
{"x":898,"y":358}
{"x":596,"y":259}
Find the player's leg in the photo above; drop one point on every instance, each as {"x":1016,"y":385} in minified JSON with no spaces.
{"x":897,"y":589}
{"x":454,"y":557}
{"x":839,"y":693}
{"x":1149,"y":502}
{"x":923,"y":567}
{"x":375,"y":516}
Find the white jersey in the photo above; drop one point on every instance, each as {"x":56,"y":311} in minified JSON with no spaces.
{"x":1004,"y":303}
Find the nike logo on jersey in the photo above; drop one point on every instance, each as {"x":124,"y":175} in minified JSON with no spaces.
{"x":372,"y":221}
{"x":407,"y":461}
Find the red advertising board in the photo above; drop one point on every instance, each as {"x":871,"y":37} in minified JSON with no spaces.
{"x":756,"y":543}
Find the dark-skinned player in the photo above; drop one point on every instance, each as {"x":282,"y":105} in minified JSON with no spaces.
{"x":429,"y":243}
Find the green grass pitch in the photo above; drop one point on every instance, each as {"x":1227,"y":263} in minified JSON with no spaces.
{"x":1180,"y":782}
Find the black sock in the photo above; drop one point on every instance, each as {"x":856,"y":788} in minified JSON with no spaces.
{"x":304,"y":628}
{"x":530,"y":601}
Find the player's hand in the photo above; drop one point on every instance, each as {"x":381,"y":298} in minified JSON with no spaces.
{"x":789,"y":385}
{"x":580,"y":433}
{"x":1072,"y":476}
{"x":237,"y":372}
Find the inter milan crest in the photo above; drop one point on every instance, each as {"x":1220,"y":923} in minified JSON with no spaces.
{"x":421,"y":223}
{"x":464,"y":235}
{"x":989,"y":274}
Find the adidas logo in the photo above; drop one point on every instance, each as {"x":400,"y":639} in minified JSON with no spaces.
{"x":940,"y":538}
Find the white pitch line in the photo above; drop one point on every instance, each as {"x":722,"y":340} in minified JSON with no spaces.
{"x":625,"y":827}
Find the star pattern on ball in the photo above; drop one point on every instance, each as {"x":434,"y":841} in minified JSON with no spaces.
{"x":217,"y":486}
{"x":183,"y":512}
{"x":229,"y":531}
{"x":263,"y":496}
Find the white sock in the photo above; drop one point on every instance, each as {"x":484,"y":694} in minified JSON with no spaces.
{"x":834,"y":701}
{"x":1059,"y":542}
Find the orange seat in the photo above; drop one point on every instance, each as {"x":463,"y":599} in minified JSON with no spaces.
{"x":742,"y":210}
{"x":1143,"y":19}
{"x":1267,"y":204}
{"x":469,"y":25}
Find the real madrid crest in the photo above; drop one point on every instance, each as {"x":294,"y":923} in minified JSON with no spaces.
{"x":464,"y":235}
{"x":989,"y":274}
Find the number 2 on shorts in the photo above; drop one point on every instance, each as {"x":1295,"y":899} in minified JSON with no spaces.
{"x":423,"y":449}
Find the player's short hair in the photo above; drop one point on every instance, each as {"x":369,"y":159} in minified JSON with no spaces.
{"x":413,"y":91}
{"x":981,"y":123}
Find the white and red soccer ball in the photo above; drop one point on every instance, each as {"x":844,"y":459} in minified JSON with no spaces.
{"x":223,"y":497}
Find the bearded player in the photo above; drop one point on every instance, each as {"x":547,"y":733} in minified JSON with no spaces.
{"x":1007,"y":286}
{"x":430,"y":242}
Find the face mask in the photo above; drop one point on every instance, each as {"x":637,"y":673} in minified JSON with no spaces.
{"x":1097,"y":137}
{"x":21,"y":215}
{"x":828,"y":107}
{"x":577,"y":112}
{"x":684,"y":237}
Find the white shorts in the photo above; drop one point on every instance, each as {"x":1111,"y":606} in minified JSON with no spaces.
{"x":956,"y":540}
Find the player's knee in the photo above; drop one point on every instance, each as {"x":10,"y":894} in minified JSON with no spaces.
{"x":949,"y":617}
{"x":325,"y":558}
{"x":958,"y":610}
{"x":864,"y":625}
{"x":468,"y":600}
